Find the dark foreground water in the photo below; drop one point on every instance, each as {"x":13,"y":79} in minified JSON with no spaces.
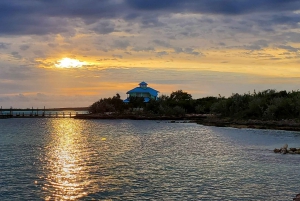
{"x":67,"y":159}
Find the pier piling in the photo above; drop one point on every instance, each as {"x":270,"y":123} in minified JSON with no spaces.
{"x":35,"y":113}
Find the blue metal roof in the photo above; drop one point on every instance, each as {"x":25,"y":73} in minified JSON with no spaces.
{"x":142,"y":89}
{"x":149,"y":90}
{"x":126,"y":100}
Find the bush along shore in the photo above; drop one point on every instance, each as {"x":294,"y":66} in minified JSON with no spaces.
{"x":268,"y":109}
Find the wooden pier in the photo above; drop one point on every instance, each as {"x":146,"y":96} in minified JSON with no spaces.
{"x":38,"y":113}
{"x":35,"y":115}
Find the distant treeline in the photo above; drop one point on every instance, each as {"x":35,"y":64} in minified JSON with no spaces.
{"x":266,"y":105}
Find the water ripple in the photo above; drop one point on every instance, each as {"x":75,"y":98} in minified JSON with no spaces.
{"x":67,"y":159}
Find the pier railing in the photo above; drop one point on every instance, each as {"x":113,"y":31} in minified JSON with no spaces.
{"x":38,"y":115}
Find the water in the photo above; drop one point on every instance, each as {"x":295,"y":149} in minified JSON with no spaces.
{"x":68,"y":159}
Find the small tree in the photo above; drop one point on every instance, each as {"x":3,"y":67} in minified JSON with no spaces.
{"x":179,"y":95}
{"x":114,"y":104}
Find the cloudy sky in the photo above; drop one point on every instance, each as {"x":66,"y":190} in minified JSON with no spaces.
{"x":62,"y":53}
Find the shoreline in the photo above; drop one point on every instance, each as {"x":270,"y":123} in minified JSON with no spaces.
{"x":207,"y":120}
{"x":288,"y":125}
{"x":127,"y":116}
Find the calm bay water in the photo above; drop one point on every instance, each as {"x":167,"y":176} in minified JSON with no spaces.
{"x":68,"y":159}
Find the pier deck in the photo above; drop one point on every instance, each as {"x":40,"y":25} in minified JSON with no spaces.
{"x":41,"y":115}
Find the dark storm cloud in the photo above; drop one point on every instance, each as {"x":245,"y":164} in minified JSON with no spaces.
{"x":257,"y":45}
{"x":216,"y":6}
{"x":121,"y":44}
{"x":105,"y":27}
{"x":161,"y":43}
{"x":289,"y":48}
{"x":39,"y":53}
{"x":52,"y":45}
{"x":151,"y":21}
{"x":143,"y":49}
{"x":16,"y":72}
{"x":190,"y":51}
{"x":44,"y":16}
{"x":24,"y":47}
{"x":4,"y":45}
{"x":16,"y":55}
{"x":266,"y":22}
{"x":161,"y":53}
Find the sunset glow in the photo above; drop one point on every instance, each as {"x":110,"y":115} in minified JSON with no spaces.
{"x":111,"y":46}
{"x":69,"y":63}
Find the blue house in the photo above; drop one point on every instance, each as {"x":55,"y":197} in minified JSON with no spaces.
{"x":142,"y":91}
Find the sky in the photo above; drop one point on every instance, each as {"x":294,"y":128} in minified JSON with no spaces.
{"x":71,"y":53}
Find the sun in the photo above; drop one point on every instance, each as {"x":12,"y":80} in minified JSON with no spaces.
{"x":69,"y":63}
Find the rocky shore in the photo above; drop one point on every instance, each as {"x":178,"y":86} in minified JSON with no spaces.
{"x":291,"y":125}
{"x":297,"y":198}
{"x":284,"y":150}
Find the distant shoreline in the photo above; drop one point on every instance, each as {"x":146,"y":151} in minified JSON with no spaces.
{"x":289,"y":125}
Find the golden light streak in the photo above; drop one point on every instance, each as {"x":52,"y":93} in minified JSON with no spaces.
{"x":67,"y":168}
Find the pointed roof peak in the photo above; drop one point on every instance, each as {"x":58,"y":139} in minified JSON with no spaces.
{"x":143,"y":83}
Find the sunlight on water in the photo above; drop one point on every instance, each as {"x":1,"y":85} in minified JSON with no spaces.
{"x":68,"y":159}
{"x":66,"y":165}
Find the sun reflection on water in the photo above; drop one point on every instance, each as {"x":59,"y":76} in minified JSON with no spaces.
{"x":67,"y":159}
